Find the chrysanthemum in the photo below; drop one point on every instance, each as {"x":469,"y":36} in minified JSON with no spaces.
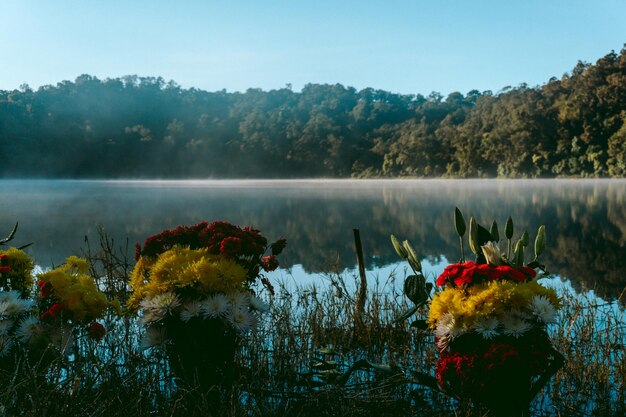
{"x":154,"y":336}
{"x":29,"y":329}
{"x":216,"y":305}
{"x":542,"y":308}
{"x":5,"y":326}
{"x":444,"y":325}
{"x":240,"y":300}
{"x":259,"y":305}
{"x":9,"y":295}
{"x":487,"y":328}
{"x":157,"y":307}
{"x":514,"y":324}
{"x":190,"y":310}
{"x":241,"y":319}
{"x":6,"y":343}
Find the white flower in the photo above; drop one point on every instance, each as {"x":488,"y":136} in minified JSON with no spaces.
{"x":152,"y":316}
{"x":9,"y":295}
{"x":241,"y":319}
{"x":159,"y":306}
{"x":29,"y":329}
{"x":240,"y":300}
{"x":215,"y":306}
{"x":492,"y":254}
{"x":259,"y":305}
{"x":154,"y":336}
{"x":447,"y":329}
{"x":190,"y":310}
{"x":487,"y":328}
{"x":6,"y":343}
{"x":5,"y":326}
{"x":541,"y":307}
{"x":514,"y":324}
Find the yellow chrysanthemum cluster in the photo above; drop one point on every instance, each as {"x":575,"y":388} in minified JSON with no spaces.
{"x":470,"y":305}
{"x":181,"y":267}
{"x":76,"y":290}
{"x":19,"y":277}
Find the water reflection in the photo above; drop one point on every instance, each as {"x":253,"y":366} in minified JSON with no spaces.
{"x":585,"y":219}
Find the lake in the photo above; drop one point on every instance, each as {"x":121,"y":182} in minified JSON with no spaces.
{"x":585,"y":219}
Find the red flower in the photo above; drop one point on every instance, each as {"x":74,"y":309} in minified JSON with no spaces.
{"x":45,"y":289}
{"x":514,"y":274}
{"x":269,"y":263}
{"x":96,"y":330}
{"x":231,"y":246}
{"x":460,"y":274}
{"x":4,"y":268}
{"x":57,"y":311}
{"x":529,"y":272}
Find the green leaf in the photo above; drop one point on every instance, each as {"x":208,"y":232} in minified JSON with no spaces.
{"x":419,"y":325}
{"x":459,"y":222}
{"x":508,"y":228}
{"x":540,"y":241}
{"x":494,"y":231}
{"x":407,"y":313}
{"x":415,"y":288}
{"x":398,"y":247}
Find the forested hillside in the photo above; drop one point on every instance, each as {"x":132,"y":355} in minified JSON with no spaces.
{"x":147,"y":127}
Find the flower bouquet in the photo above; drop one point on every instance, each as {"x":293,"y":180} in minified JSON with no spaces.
{"x":192,"y":287}
{"x":69,"y":304}
{"x":489,"y":321}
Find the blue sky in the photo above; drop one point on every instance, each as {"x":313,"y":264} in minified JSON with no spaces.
{"x":401,"y":46}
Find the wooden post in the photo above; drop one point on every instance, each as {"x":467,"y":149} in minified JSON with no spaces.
{"x":359,"y":311}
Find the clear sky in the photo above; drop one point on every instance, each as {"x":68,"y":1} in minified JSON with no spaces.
{"x":400,"y":46}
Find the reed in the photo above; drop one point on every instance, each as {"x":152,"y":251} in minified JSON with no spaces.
{"x":308,"y":358}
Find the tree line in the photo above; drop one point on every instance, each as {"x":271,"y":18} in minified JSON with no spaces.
{"x":148,"y":128}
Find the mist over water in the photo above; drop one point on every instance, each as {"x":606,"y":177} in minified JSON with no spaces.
{"x":585,"y":219}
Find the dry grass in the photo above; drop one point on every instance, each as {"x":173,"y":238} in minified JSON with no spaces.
{"x":306,"y":359}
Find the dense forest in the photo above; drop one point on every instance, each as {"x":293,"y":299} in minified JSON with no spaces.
{"x":146,"y":127}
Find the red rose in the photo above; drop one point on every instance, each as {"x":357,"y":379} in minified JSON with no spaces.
{"x":96,"y":331}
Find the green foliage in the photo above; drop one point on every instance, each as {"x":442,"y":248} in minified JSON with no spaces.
{"x":147,"y":127}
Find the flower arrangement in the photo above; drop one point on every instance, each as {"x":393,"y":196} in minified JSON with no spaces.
{"x":489,"y":319}
{"x":192,"y":286}
{"x":68,"y":295}
{"x":200,"y":272}
{"x":16,"y":269}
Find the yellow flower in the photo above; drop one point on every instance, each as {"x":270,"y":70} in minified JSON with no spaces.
{"x":469,"y":306}
{"x":194,"y":270}
{"x":73,"y":288}
{"x":19,"y":277}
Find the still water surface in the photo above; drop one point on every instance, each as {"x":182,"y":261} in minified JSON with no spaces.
{"x":585,"y":219}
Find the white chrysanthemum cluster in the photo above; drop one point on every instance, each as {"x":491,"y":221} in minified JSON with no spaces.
{"x":13,"y":312}
{"x":515,"y":323}
{"x":239,"y":310}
